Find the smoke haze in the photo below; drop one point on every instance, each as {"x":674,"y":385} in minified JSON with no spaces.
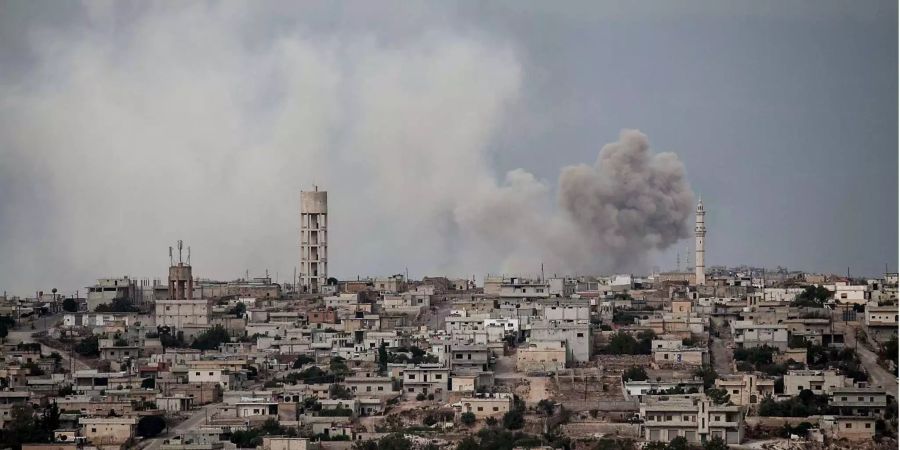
{"x":450,"y":139}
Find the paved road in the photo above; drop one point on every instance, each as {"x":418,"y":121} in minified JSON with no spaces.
{"x":878,"y":375}
{"x":196,"y":418}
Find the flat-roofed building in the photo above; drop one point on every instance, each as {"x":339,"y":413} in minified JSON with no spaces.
{"x":820,"y":382}
{"x":858,"y":401}
{"x":693,"y":417}
{"x":486,"y":405}
{"x":881,"y":322}
{"x":541,"y":356}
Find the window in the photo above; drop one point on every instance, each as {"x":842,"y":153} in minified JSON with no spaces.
{"x":735,"y":391}
{"x":93,"y":430}
{"x":480,"y":408}
{"x":380,"y":388}
{"x":868,"y":425}
{"x":198,"y":374}
{"x":843,"y":399}
{"x":496,"y":409}
{"x":847,"y":426}
{"x":580,"y":334}
{"x":412,"y":377}
{"x":210,"y":374}
{"x":438,"y":376}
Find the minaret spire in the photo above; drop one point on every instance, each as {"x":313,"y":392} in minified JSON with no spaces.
{"x":700,"y":236}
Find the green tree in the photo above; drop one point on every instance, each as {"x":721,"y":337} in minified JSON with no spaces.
{"x":303,"y":360}
{"x":89,"y":346}
{"x":238,"y":310}
{"x":514,"y":420}
{"x":338,"y":367}
{"x":150,"y":426}
{"x":716,"y":443}
{"x":635,"y":373}
{"x":718,"y":396}
{"x":211,"y":338}
{"x":70,"y":305}
{"x":679,"y":443}
{"x":467,"y":418}
{"x":382,"y":358}
{"x":546,"y":407}
{"x":708,"y":374}
{"x":117,"y":305}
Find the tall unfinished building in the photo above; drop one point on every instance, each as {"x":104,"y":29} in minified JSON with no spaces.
{"x":313,"y":240}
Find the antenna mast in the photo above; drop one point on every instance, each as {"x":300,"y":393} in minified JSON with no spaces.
{"x":171,"y":261}
{"x":180,"y":244}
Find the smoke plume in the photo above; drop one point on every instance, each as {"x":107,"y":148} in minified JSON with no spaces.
{"x":630,"y":202}
{"x":202,"y":122}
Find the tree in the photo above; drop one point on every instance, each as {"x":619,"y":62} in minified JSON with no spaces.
{"x":211,"y":338}
{"x":469,"y":443}
{"x":117,"y":305}
{"x":89,"y":346}
{"x":547,"y":407}
{"x":338,"y":367}
{"x":811,"y":297}
{"x":302,"y":360}
{"x":150,"y":426}
{"x":635,"y":373}
{"x":70,"y":305}
{"x":382,"y":358}
{"x":513,"y":420}
{"x":340,"y":392}
{"x":708,"y":375}
{"x":394,"y":441}
{"x":716,"y":443}
{"x":718,"y":396}
{"x":467,"y":418}
{"x":238,"y":310}
{"x":679,"y":443}
{"x":148,"y":383}
{"x":889,"y":351}
{"x":6,"y":323}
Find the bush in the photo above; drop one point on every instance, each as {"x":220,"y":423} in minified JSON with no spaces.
{"x":420,"y":397}
{"x":467,"y":418}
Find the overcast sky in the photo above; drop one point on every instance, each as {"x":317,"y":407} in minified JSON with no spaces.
{"x":443,"y":135}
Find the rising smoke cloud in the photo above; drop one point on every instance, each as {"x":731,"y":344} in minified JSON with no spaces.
{"x":195,"y":122}
{"x":630,"y":202}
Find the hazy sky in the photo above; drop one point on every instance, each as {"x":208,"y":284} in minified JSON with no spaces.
{"x":441,"y":133}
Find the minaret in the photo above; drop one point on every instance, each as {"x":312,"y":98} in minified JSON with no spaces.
{"x":700,"y":233}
